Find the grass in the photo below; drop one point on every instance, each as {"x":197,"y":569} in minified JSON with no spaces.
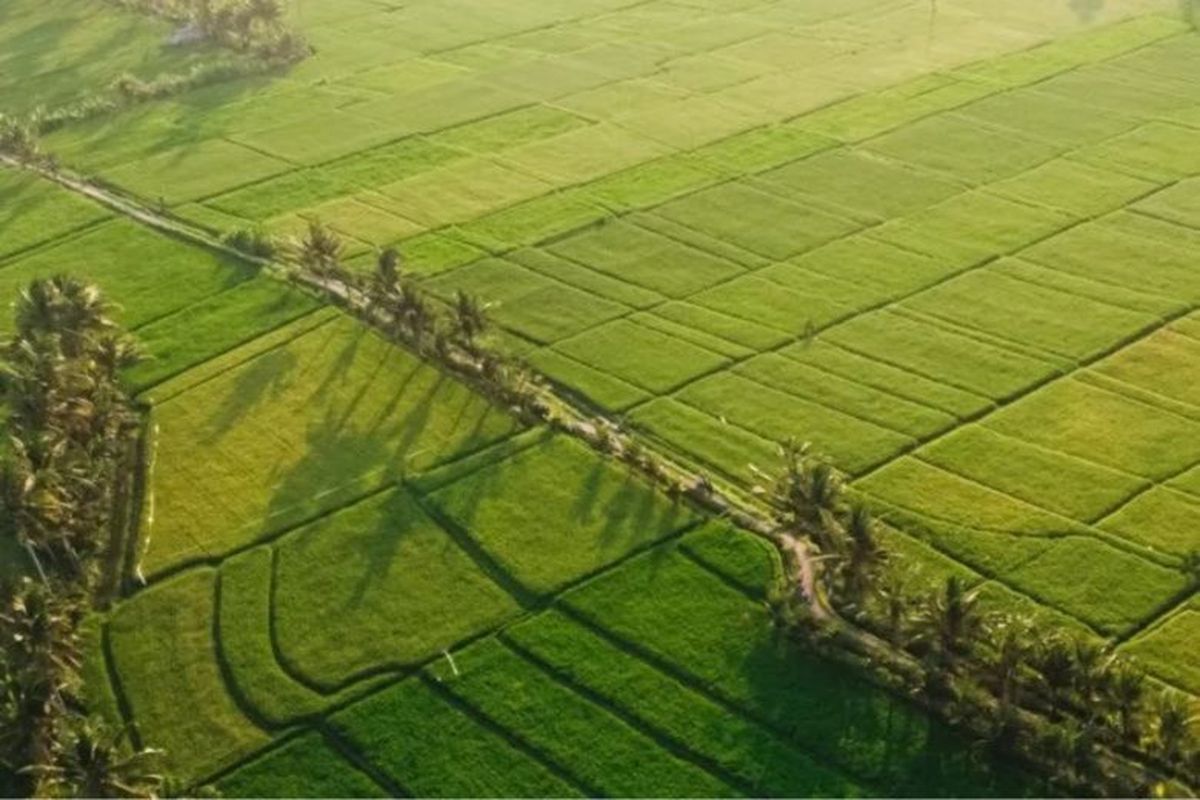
{"x":640,"y":355}
{"x":1117,"y":590}
{"x":397,"y":590}
{"x":1160,"y":647}
{"x":147,"y":274}
{"x":246,"y":642}
{"x":63,"y":51}
{"x":724,"y":645}
{"x":707,"y":438}
{"x":1163,"y":519}
{"x":646,"y":259}
{"x":165,"y":660}
{"x":305,"y":765}
{"x":433,"y":748}
{"x":599,"y":749}
{"x":252,"y":450}
{"x":37,"y":212}
{"x":751,"y":754}
{"x":554,"y":513}
{"x":750,"y":562}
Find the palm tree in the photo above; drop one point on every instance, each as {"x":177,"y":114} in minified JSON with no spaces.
{"x":97,"y":762}
{"x":896,"y":606}
{"x":1128,"y":692}
{"x":470,"y":318}
{"x":1014,"y":638}
{"x":864,"y":553}
{"x":807,"y":496}
{"x":1174,"y":720}
{"x":320,"y":249}
{"x":1055,"y":662}
{"x":1191,"y":567}
{"x":951,"y":619}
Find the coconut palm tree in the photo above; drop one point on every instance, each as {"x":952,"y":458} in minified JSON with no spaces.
{"x":98,"y":762}
{"x":864,"y":554}
{"x":951,"y":620}
{"x":470,"y":318}
{"x":1014,"y":638}
{"x":1128,"y":692}
{"x":1055,"y":663}
{"x":320,"y":249}
{"x":807,"y":496}
{"x":1173,"y":725}
{"x":895,"y":605}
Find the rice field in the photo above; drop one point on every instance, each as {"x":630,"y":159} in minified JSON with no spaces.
{"x":955,"y":251}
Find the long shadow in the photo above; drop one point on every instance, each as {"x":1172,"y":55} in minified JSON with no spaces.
{"x":266,"y":376}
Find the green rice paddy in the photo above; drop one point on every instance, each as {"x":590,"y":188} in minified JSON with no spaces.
{"x":955,"y":252}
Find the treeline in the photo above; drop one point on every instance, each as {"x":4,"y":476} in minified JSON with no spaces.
{"x":250,"y":26}
{"x":1058,"y":700}
{"x":64,"y":486}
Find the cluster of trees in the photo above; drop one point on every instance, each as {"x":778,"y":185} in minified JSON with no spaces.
{"x":18,"y":138}
{"x":64,"y":481}
{"x":1060,"y":698}
{"x":391,"y":299}
{"x":255,"y":26}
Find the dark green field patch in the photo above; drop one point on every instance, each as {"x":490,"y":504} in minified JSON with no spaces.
{"x":873,"y":405}
{"x":1068,"y":325}
{"x":434,"y":749}
{"x":936,"y":353}
{"x":554,"y":513}
{"x":758,"y":759}
{"x":145,"y":273}
{"x":302,"y":767}
{"x":396,"y":589}
{"x":602,"y":751}
{"x":304,"y":426}
{"x":163,"y":651}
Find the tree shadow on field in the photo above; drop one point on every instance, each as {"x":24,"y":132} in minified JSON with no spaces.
{"x":265,"y":376}
{"x":867,"y":733}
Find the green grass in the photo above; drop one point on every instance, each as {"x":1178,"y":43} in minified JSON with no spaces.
{"x":1159,"y":649}
{"x":1046,"y":478}
{"x":166,"y":662}
{"x":213,"y":326}
{"x":648,"y":358}
{"x":246,"y":641}
{"x":749,"y":561}
{"x":759,"y":760}
{"x":1163,"y":519}
{"x":724,"y":645}
{"x":394,"y":590}
{"x":1065,"y":324}
{"x":630,"y":253}
{"x":194,"y":172}
{"x":764,"y":223}
{"x":1072,"y":187}
{"x":433,"y":748}
{"x":295,"y":430}
{"x":305,"y":766}
{"x":148,"y":275}
{"x":938,"y":354}
{"x":757,"y":300}
{"x":1114,"y":593}
{"x":1163,"y":363}
{"x":601,"y":751}
{"x":62,"y":51}
{"x":852,"y":443}
{"x":556,"y":512}
{"x":1100,"y":426}
{"x":37,"y":211}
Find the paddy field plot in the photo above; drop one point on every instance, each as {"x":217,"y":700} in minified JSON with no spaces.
{"x":957,"y":254}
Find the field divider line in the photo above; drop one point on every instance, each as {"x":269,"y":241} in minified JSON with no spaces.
{"x":360,"y":762}
{"x":749,"y":593}
{"x":1177,"y":603}
{"x":124,"y":707}
{"x":232,"y":687}
{"x":1073,"y":527}
{"x":1163,"y":482}
{"x":33,"y":250}
{"x":1153,"y":623}
{"x":512,"y":738}
{"x":697,"y":685}
{"x":662,"y":738}
{"x":289,"y":669}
